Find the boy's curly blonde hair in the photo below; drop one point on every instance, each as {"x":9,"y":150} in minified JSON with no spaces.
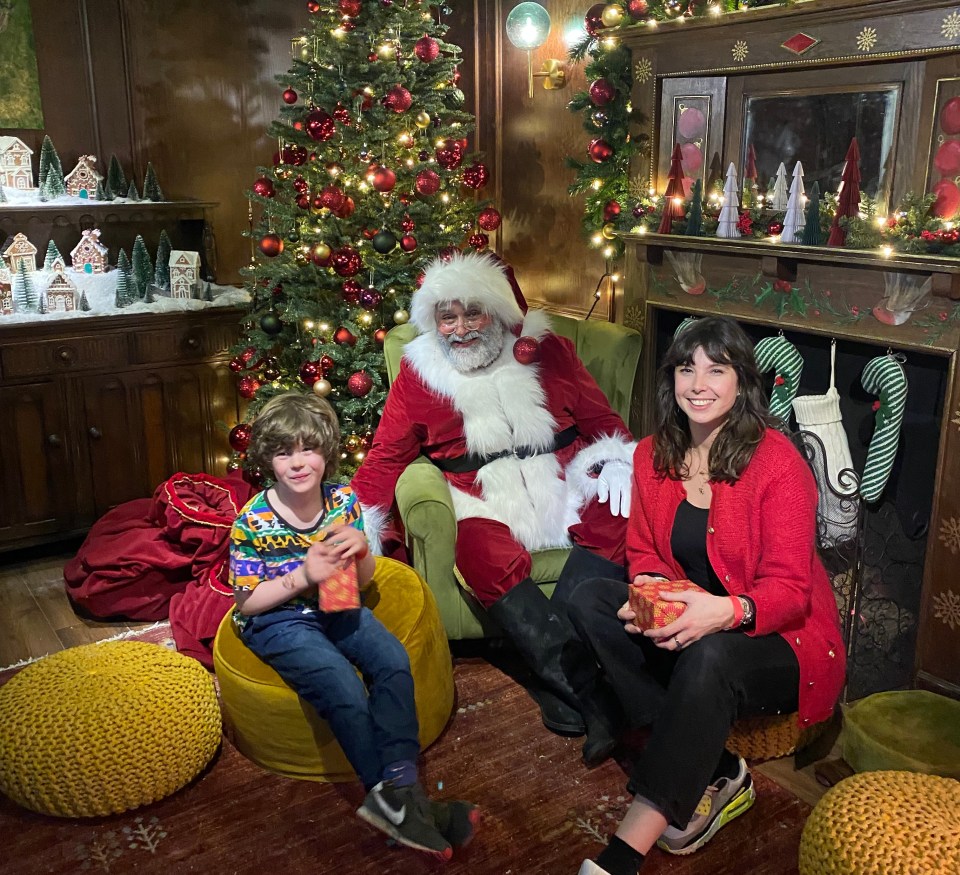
{"x":293,"y":419}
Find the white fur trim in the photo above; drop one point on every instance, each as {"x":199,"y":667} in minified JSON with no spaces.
{"x":375,"y":520}
{"x":471,"y":278}
{"x":583,"y":487}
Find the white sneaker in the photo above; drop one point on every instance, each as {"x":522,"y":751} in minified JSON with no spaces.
{"x":591,"y":868}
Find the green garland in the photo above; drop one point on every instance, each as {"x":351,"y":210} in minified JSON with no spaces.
{"x":665,"y":10}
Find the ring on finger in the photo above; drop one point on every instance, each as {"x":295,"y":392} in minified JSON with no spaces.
{"x":679,"y":642}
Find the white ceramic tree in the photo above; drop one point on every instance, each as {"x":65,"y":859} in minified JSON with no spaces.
{"x":795,"y":218}
{"x":780,"y":194}
{"x":729,"y":213}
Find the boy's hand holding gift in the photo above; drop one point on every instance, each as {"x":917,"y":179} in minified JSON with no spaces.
{"x":332,"y":562}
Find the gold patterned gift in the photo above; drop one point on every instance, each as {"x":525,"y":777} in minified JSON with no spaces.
{"x":341,"y":590}
{"x":652,"y":611}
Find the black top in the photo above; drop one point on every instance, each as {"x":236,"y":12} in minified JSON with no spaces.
{"x":688,"y":541}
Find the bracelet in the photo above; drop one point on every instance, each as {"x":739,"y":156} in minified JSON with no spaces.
{"x":737,"y":612}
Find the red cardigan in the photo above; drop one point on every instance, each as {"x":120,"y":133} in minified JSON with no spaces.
{"x":761,"y":542}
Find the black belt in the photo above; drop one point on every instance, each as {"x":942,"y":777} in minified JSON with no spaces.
{"x":474,"y":462}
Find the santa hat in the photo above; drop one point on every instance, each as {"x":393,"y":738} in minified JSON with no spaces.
{"x":470,"y":278}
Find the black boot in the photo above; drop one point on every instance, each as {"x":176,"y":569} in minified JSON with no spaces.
{"x":583,"y":565}
{"x":552,"y":651}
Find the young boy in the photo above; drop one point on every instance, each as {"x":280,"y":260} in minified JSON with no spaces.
{"x":286,"y":545}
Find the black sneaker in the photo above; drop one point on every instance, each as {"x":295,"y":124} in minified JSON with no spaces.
{"x":404,"y":814}
{"x":457,"y":820}
{"x":723,"y":800}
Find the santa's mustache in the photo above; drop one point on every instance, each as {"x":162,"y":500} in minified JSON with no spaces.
{"x":470,"y":335}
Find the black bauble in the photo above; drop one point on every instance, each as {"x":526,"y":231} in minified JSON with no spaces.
{"x":270,"y":323}
{"x":384,"y":241}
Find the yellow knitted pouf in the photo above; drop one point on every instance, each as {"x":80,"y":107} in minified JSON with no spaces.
{"x":271,"y":725}
{"x":884,"y":823}
{"x":102,"y":728}
{"x":770,"y":737}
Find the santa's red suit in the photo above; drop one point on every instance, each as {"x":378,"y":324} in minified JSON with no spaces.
{"x":535,"y":490}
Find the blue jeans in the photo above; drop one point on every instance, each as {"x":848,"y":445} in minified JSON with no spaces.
{"x":374,"y":719}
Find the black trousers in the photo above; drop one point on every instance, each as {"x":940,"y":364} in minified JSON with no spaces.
{"x":692,"y":697}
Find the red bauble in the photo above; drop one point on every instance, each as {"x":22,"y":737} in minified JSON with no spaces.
{"x":599,"y":150}
{"x":602,"y":92}
{"x":300,"y":185}
{"x":611,"y":209}
{"x":359,"y":383}
{"x":428,"y":182}
{"x":398,"y":99}
{"x":293,"y":154}
{"x":313,"y":7}
{"x":351,"y":291}
{"x":302,"y":201}
{"x":332,"y":198}
{"x":290,"y":96}
{"x":637,"y":9}
{"x":407,"y":224}
{"x":476,"y":176}
{"x":271,"y":245}
{"x":408,"y":242}
{"x":478,"y":241}
{"x":310,"y":372}
{"x":345,"y":211}
{"x":489,"y":219}
{"x":774,"y":228}
{"x":384,"y":179}
{"x":341,"y":114}
{"x":370,"y":299}
{"x":343,"y":337}
{"x":236,"y":365}
{"x":526,"y":350}
{"x":426,"y":49}
{"x":326,"y":364}
{"x":947,"y":159}
{"x":248,"y":387}
{"x":950,"y":116}
{"x":247,"y":355}
{"x":320,"y":125}
{"x":346,"y":261}
{"x":592,"y":21}
{"x":948,"y":199}
{"x":263,"y":187}
{"x":380,"y":335}
{"x":349,"y":7}
{"x":449,"y":155}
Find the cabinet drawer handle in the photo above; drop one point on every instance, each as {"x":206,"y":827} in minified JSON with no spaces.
{"x":193,"y":343}
{"x":54,"y":440}
{"x":95,"y":432}
{"x":66,"y":355}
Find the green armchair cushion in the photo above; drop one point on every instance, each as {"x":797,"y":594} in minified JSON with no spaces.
{"x":611,"y":353}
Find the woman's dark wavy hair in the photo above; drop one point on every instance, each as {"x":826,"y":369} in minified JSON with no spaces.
{"x":724,"y":342}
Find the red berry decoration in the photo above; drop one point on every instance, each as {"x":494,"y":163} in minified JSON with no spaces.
{"x":290,"y":96}
{"x":351,"y":291}
{"x":599,"y":150}
{"x":359,"y":384}
{"x":611,"y":209}
{"x":426,"y":49}
{"x":310,"y":372}
{"x":476,"y":176}
{"x":248,"y":387}
{"x":637,"y":9}
{"x":320,"y":125}
{"x":346,"y":261}
{"x":526,"y":350}
{"x":428,"y":182}
{"x":398,"y":99}
{"x":332,"y":198}
{"x":271,"y":245}
{"x":478,"y":241}
{"x":450,"y":155}
{"x":602,"y":92}
{"x":384,"y":179}
{"x":489,"y":219}
{"x":408,"y":242}
{"x":592,"y":21}
{"x":239,"y":437}
{"x":263,"y":187}
{"x":343,"y":337}
{"x":350,"y":8}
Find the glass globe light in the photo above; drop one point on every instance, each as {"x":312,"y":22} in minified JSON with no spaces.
{"x":528,"y":26}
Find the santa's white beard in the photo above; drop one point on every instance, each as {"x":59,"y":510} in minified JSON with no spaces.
{"x":466,"y":358}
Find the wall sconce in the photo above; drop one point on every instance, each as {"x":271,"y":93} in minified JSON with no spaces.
{"x":528,"y":26}
{"x":606,"y":287}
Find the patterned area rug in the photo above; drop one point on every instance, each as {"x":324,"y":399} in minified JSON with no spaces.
{"x":543,"y":811}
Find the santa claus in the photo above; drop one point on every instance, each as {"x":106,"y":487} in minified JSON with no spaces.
{"x":534,"y":456}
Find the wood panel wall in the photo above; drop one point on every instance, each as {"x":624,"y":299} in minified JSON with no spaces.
{"x":190,"y":86}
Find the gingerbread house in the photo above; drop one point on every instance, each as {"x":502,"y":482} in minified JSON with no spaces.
{"x":184,"y":273}
{"x":21,"y":251}
{"x":89,"y":255}
{"x":83,"y":179}
{"x":6,"y":290}
{"x":61,"y":294}
{"x":58,"y":265}
{"x":16,"y":164}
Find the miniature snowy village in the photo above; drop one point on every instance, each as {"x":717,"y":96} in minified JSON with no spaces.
{"x":85,"y":283}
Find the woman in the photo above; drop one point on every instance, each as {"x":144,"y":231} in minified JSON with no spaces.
{"x":722,"y":498}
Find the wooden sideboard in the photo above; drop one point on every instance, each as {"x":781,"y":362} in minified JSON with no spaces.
{"x":97,"y":411}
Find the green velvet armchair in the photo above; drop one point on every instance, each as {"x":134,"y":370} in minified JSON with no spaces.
{"x":612,"y":354}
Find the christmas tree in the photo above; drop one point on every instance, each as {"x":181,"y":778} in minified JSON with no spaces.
{"x":727,"y":221}
{"x":781,"y":193}
{"x":53,"y":254}
{"x":161,"y":273}
{"x":151,"y":188}
{"x":370,"y":182}
{"x":794,"y":220}
{"x":673,"y":196}
{"x":24,"y":296}
{"x":51,"y":182}
{"x":695,"y":219}
{"x":848,"y":195}
{"x":811,"y":227}
{"x":116,"y":181}
{"x":142,"y":268}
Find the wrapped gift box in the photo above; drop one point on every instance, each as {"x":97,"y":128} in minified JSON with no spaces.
{"x":651,"y":610}
{"x":341,"y":591}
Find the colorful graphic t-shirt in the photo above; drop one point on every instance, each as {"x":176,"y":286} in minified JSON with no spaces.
{"x":263,"y":545}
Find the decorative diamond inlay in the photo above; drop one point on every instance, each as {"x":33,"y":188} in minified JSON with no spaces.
{"x":800,"y":43}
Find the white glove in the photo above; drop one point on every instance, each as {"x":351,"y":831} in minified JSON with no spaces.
{"x":614,"y":484}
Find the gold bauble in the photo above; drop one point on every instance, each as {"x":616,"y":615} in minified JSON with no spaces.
{"x":423,"y":120}
{"x":351,"y":443}
{"x":401,"y":317}
{"x":609,"y":231}
{"x":612,"y":15}
{"x":320,"y":251}
{"x":322,"y":388}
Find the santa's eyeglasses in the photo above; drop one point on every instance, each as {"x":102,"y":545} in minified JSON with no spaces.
{"x":471,"y":320}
